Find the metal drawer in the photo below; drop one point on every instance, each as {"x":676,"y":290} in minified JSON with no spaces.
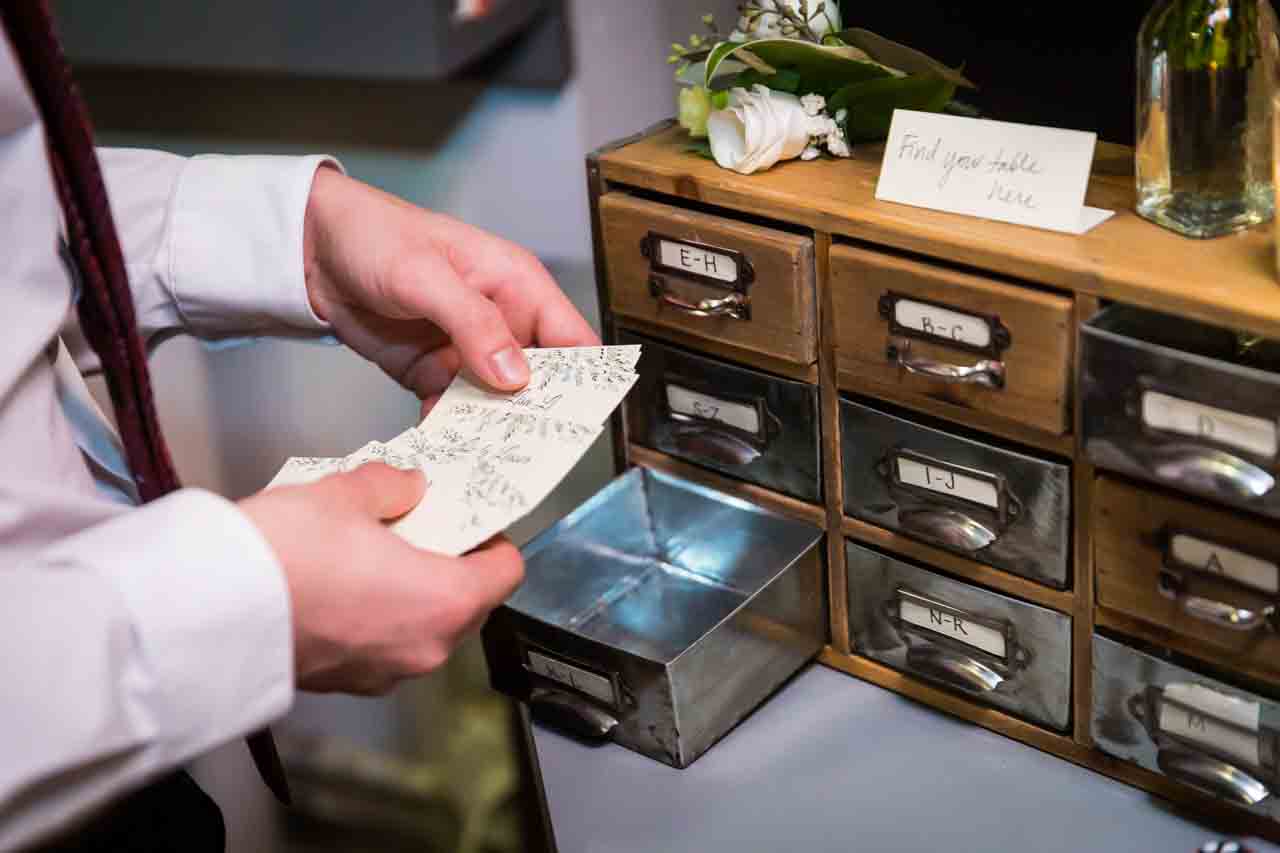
{"x":741,"y":422}
{"x":999,"y":650}
{"x":1199,"y":731}
{"x":659,"y":614}
{"x":711,"y":277}
{"x":1175,"y":401}
{"x":907,"y":330}
{"x":1210,"y":575}
{"x":1002,"y":508}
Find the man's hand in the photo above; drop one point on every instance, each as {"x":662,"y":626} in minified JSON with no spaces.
{"x":421,"y":294}
{"x":368,"y":609}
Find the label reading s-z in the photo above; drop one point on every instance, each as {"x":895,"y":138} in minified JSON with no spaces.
{"x":1244,"y":432}
{"x":1215,"y":559}
{"x":944,"y":481}
{"x":951,"y":624}
{"x":697,"y":260}
{"x":682,"y":401}
{"x":942,"y":323}
{"x":596,"y":686}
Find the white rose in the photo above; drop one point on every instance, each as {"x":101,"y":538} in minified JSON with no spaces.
{"x":768,"y":23}
{"x":759,"y":128}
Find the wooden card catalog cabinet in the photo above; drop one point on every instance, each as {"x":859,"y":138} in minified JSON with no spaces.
{"x":1045,"y":464}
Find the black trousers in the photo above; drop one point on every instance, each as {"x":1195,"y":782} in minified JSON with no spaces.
{"x":172,"y":815}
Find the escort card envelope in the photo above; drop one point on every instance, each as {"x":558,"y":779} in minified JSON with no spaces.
{"x":490,"y":458}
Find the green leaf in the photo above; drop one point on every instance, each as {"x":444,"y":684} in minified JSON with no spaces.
{"x":871,"y":103}
{"x":821,"y":69}
{"x":702,"y":148}
{"x":785,"y":80}
{"x":901,"y":57}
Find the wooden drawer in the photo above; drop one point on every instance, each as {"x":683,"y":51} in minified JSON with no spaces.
{"x":907,"y":330}
{"x":717,"y":279}
{"x":1211,"y":576}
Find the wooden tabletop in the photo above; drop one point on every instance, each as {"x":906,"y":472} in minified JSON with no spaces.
{"x":1229,"y":281}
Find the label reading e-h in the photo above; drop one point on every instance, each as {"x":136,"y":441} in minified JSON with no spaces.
{"x":951,"y":624}
{"x":939,"y":322}
{"x":596,"y":686}
{"x":945,"y":481}
{"x":1244,"y":432}
{"x":683,"y":401}
{"x":697,"y":260}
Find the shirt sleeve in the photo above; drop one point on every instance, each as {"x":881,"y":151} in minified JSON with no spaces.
{"x":214,"y":243}
{"x":131,"y":647}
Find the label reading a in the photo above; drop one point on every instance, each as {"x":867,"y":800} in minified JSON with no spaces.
{"x":698,"y":261}
{"x":1206,"y":717}
{"x":942,"y":323}
{"x":944,"y":481}
{"x":1245,"y":432}
{"x":682,"y":401}
{"x":1216,"y":559}
{"x":953,"y":625}
{"x":596,"y":686}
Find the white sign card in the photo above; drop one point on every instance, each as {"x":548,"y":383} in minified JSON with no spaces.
{"x":1018,"y":173}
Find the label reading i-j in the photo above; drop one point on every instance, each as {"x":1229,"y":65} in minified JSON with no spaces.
{"x":682,"y":401}
{"x":596,"y":686}
{"x":1220,"y":722}
{"x":1229,"y":563}
{"x":698,"y":261}
{"x":944,"y":481}
{"x":1251,"y":434}
{"x":952,"y":625}
{"x":942,"y":323}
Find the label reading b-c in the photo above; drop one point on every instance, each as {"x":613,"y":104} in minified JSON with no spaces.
{"x":697,"y":260}
{"x":584,"y":681}
{"x":944,"y":323}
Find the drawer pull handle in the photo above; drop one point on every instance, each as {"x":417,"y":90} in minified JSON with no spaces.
{"x":957,"y":670}
{"x":736,"y":306}
{"x":1211,"y":776}
{"x":949,"y":527}
{"x":1244,"y":619}
{"x":988,"y":372}
{"x":732,"y":429}
{"x":569,"y":713}
{"x":1204,"y":470}
{"x":710,"y":443}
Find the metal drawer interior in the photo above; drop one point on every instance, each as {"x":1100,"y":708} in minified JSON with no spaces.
{"x":1198,"y":731}
{"x":1193,"y":406}
{"x":998,"y":650}
{"x":740,"y":422}
{"x":997,"y":506}
{"x":658,"y":602}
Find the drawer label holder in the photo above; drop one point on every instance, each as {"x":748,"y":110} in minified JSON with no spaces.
{"x":689,"y":260}
{"x":1210,"y":739}
{"x":1190,"y":559}
{"x":1167,"y":413}
{"x":944,"y":482}
{"x":946,"y":643}
{"x":688,"y":401}
{"x":940,"y":323}
{"x":586,"y":681}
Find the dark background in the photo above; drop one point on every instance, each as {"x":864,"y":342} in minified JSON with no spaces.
{"x":1069,"y":65}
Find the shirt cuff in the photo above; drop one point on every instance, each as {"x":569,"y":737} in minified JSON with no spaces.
{"x":209,"y":608}
{"x":237,"y":245}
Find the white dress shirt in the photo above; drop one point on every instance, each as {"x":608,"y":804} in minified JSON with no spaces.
{"x":131,"y":639}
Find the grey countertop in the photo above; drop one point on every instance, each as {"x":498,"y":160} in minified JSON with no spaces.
{"x":833,"y":763}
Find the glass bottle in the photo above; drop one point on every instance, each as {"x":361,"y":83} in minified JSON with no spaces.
{"x":1206,"y":79}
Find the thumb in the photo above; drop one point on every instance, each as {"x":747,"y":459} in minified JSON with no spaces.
{"x":381,"y":491}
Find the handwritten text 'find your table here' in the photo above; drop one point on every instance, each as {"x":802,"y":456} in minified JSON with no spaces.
{"x":1017,"y":173}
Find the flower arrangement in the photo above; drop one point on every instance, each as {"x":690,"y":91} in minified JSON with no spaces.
{"x":789,"y":81}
